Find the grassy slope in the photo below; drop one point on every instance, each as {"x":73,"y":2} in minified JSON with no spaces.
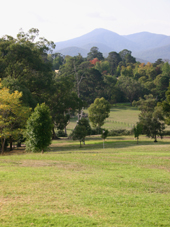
{"x":124,"y":184}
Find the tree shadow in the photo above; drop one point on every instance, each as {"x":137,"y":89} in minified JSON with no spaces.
{"x":97,"y":146}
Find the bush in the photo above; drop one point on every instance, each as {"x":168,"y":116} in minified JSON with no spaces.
{"x":61,"y":133}
{"x":120,"y":132}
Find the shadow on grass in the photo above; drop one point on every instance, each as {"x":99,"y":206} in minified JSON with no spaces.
{"x":97,"y":145}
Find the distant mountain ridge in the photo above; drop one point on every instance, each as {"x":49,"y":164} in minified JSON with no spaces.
{"x":144,"y":45}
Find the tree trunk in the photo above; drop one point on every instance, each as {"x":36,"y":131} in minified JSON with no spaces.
{"x":65,"y":130}
{"x":155,"y":139}
{"x":3,"y":145}
{"x":54,"y":136}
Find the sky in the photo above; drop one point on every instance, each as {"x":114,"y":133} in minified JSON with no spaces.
{"x":60,"y":20}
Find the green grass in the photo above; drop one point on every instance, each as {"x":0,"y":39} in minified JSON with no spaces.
{"x":124,"y":184}
{"x":121,"y":117}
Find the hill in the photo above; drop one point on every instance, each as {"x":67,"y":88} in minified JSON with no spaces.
{"x":141,"y":44}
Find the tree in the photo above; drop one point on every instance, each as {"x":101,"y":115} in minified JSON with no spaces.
{"x":26,"y":60}
{"x":99,"y":111}
{"x":151,"y":117}
{"x":39,"y":129}
{"x":137,"y":130}
{"x":113,"y":59}
{"x":13,"y":85}
{"x":104,"y":134}
{"x":85,"y":122}
{"x":95,"y":53}
{"x":92,"y":86}
{"x":13,"y":115}
{"x":79,"y":133}
{"x":131,"y":88}
{"x":166,"y":106}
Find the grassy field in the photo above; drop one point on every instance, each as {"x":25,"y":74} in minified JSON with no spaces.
{"x":121,"y":117}
{"x":123,"y":184}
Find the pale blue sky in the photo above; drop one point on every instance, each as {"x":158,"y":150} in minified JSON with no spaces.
{"x":60,"y":20}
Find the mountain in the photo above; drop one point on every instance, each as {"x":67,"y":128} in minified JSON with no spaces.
{"x":148,"y":40}
{"x":141,"y":44}
{"x":153,"y":54}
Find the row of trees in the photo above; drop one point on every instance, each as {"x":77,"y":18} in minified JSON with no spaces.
{"x":27,"y":72}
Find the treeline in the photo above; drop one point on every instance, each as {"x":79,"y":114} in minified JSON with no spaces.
{"x":117,"y":78}
{"x":68,"y":84}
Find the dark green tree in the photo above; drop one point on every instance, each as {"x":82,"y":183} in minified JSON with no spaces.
{"x":166,"y":106}
{"x":79,"y":133}
{"x":130,"y":87}
{"x":39,"y":129}
{"x":104,"y":133}
{"x":95,"y":53}
{"x":26,"y":60}
{"x":113,"y":59}
{"x":151,"y":117}
{"x":137,"y":130}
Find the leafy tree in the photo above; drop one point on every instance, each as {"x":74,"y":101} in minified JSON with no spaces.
{"x":95,"y":53}
{"x":99,"y":111}
{"x":151,"y":117}
{"x":79,"y":133}
{"x":85,"y":122}
{"x":137,"y":130}
{"x":63,"y":101}
{"x":166,"y":106}
{"x":104,"y":134}
{"x":110,"y":93}
{"x":13,"y":115}
{"x":13,"y":85}
{"x":92,"y":86}
{"x":39,"y":129}
{"x":103,"y":67}
{"x":131,"y":88}
{"x":113,"y":59}
{"x":27,"y":60}
{"x":57,"y":60}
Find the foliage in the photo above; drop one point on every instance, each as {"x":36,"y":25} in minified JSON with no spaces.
{"x":104,"y":134}
{"x":13,"y":114}
{"x":166,"y":106}
{"x":79,"y":133}
{"x":131,"y":88}
{"x":119,"y":132}
{"x":81,"y":130}
{"x":98,"y":112}
{"x":85,"y":122}
{"x":13,"y":85}
{"x":95,"y":53}
{"x":26,"y":60}
{"x":137,"y":130}
{"x":39,"y":129}
{"x":151,"y":117}
{"x":113,"y":59}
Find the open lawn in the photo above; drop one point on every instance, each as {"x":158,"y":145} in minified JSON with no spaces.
{"x":123,"y":184}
